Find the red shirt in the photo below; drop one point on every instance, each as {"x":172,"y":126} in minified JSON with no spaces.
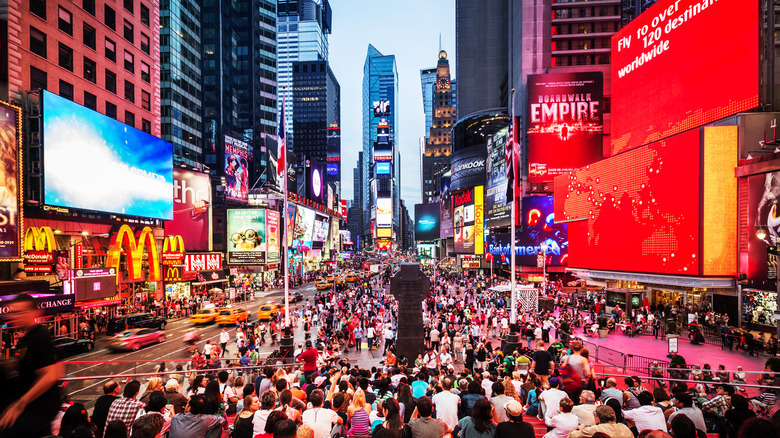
{"x":309,"y":359}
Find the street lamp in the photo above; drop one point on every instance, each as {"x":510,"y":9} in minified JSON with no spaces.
{"x":544,"y":247}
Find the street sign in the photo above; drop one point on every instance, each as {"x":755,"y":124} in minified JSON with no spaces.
{"x":672,"y":344}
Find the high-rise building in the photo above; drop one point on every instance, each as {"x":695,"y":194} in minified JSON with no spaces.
{"x":380,"y":130}
{"x":481,"y":50}
{"x":180,"y":82}
{"x":303,"y":29}
{"x":428,"y":82}
{"x":438,"y":146}
{"x":355,"y":214}
{"x":316,"y":126}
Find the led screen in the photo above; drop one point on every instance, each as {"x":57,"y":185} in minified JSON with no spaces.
{"x":94,"y":162}
{"x":321,"y":227}
{"x":640,"y":209}
{"x":565,"y":123}
{"x":383,"y":168}
{"x":675,"y":67}
{"x":384,"y":153}
{"x":272,"y":235}
{"x":10,"y":237}
{"x":381,"y":107}
{"x":384,"y":212}
{"x":238,"y":154}
{"x":247,"y":234}
{"x":463,"y":220}
{"x":468,"y":167}
{"x":305,"y":224}
{"x":445,"y":214}
{"x":191,"y":209}
{"x":427,"y":224}
{"x":497,"y":210}
{"x":763,"y":216}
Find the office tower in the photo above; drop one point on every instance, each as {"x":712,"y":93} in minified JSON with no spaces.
{"x":428,"y":82}
{"x":438,"y":146}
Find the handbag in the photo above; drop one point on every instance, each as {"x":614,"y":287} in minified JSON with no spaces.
{"x":572,"y":382}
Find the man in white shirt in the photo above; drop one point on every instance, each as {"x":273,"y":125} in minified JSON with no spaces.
{"x":224,"y":337}
{"x":370,"y":336}
{"x":551,"y":398}
{"x":431,"y":361}
{"x":646,"y":416}
{"x":389,"y":335}
{"x":584,"y":411}
{"x":447,"y":404}
{"x":445,"y":360}
{"x":487,"y":384}
{"x":320,"y":419}
{"x":207,"y":350}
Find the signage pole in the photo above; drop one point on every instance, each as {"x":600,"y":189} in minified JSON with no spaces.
{"x":283,"y":142}
{"x":513,"y":314}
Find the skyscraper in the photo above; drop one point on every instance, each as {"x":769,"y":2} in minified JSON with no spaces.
{"x":428,"y":82}
{"x":355,"y":214}
{"x":438,"y":146}
{"x":380,"y":129}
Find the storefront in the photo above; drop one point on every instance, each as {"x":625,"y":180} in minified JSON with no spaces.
{"x":758,"y":309}
{"x":58,"y":315}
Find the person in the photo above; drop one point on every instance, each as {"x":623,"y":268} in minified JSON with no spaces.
{"x":320,"y":419}
{"x":532,"y":400}
{"x":126,"y":408}
{"x":273,"y":418}
{"x":515,"y":427}
{"x":267,"y":405}
{"x":584,"y":410}
{"x":195,"y":422}
{"x":243,"y":427}
{"x":551,"y":398}
{"x":646,"y":416}
{"x":563,"y":422}
{"x":178,"y":401}
{"x":309,"y":359}
{"x":102,"y":404}
{"x":224,"y":338}
{"x":75,"y":417}
{"x":479,"y":424}
{"x":469,"y":399}
{"x":357,"y":414}
{"x":284,"y":429}
{"x":499,"y":400}
{"x":422,"y":425}
{"x":419,"y":386}
{"x":605,"y":424}
{"x":115,"y":429}
{"x":683,"y":427}
{"x":154,"y":384}
{"x":148,"y":426}
{"x":30,"y":398}
{"x":683,"y":404}
{"x":447,"y":404}
{"x":542,"y":363}
{"x":611,"y":391}
{"x":738,"y":414}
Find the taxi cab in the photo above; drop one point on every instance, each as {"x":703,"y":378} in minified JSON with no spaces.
{"x":266,"y":310}
{"x":323,"y":285}
{"x":205,"y":316}
{"x":351,"y":277}
{"x":329,"y":278}
{"x":232,"y":316}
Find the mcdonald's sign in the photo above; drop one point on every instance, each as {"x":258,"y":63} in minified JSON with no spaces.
{"x":172,"y":273}
{"x":173,"y":250}
{"x":39,"y":247}
{"x":133,"y":246}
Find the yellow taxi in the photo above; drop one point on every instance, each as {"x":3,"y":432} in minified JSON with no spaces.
{"x":232,"y":316}
{"x":323,"y":285}
{"x":266,"y":310}
{"x":329,"y":278}
{"x":351,"y":277}
{"x":205,"y":316}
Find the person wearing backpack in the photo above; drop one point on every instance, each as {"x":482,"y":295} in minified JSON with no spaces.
{"x":574,"y":371}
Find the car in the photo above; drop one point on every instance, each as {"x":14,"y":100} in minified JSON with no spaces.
{"x":136,"y":320}
{"x":266,"y":310}
{"x":351,"y":277}
{"x":574,"y":283}
{"x":231,"y":316}
{"x":65,"y":346}
{"x":205,"y":316}
{"x":295,"y":297}
{"x":323,"y":285}
{"x":134,"y":339}
{"x":329,"y":278}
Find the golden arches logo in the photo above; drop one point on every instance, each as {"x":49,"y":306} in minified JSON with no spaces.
{"x":173,"y":244}
{"x":39,"y":239}
{"x":134,"y":251}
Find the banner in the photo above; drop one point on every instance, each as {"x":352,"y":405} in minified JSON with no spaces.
{"x":427,"y":224}
{"x":246,"y":229}
{"x":273,"y":236}
{"x":10,"y":154}
{"x":468,"y":167}
{"x":497,"y":209}
{"x":463,"y":220}
{"x":479,"y":220}
{"x":191,"y":209}
{"x":445,"y":214}
{"x":203,"y":262}
{"x":238,"y":154}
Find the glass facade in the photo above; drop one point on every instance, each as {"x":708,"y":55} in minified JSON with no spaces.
{"x":428,"y":81}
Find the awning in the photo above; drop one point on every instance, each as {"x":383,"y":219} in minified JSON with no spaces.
{"x":208,"y":277}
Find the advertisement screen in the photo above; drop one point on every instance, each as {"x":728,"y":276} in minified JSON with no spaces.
{"x":468,"y":167}
{"x":10,"y":140}
{"x":272,"y":235}
{"x":292,"y":213}
{"x":94,"y":162}
{"x":304,"y":224}
{"x":463,"y":220}
{"x":238,"y":154}
{"x":317,"y":183}
{"x":381,"y":108}
{"x":445,"y":215}
{"x":427,"y":225}
{"x":191,"y":209}
{"x":333,"y":169}
{"x":425,"y":251}
{"x":246,"y":229}
{"x":641,"y":209}
{"x":565,"y":123}
{"x":497,"y":210}
{"x":383,"y":168}
{"x":94,"y":284}
{"x":538,"y":229}
{"x":321,"y":228}
{"x":384,"y":212}
{"x":674,"y":68}
{"x":384,"y":153}
{"x":763,"y":199}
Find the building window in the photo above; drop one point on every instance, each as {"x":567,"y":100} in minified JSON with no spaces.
{"x":146,"y":100}
{"x":146,"y":126}
{"x":145,"y":43}
{"x":110,"y":50}
{"x":90,"y":70}
{"x":144,"y":15}
{"x":109,"y":17}
{"x":65,"y":57}
{"x":38,"y":78}
{"x":145,"y":72}
{"x":38,"y":7}
{"x":110,"y":110}
{"x":129,"y":62}
{"x":110,"y":81}
{"x":66,"y":90}
{"x":37,"y":42}
{"x":129,"y":5}
{"x":89,"y":37}
{"x":90,"y":100}
{"x":128,"y":31}
{"x":129,"y":91}
{"x":65,"y":21}
{"x":130,"y":118}
{"x":89,"y":6}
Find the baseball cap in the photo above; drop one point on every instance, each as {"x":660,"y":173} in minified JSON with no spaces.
{"x":319,"y":381}
{"x":514,"y":408}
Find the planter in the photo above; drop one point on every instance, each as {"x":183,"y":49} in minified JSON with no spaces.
{"x":603,"y":333}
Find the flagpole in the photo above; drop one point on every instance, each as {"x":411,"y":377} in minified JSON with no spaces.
{"x":513,"y":314}
{"x":283,"y":150}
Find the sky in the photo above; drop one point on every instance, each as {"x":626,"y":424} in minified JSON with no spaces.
{"x":408,"y":29}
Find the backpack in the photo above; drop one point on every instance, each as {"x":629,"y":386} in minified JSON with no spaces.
{"x":571,"y":380}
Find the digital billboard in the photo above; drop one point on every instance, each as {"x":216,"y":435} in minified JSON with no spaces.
{"x":764,"y":226}
{"x":383,"y":153}
{"x":468,"y":167}
{"x":321,"y":228}
{"x":94,"y":162}
{"x":191,"y":209}
{"x":381,"y":108}
{"x":497,"y":209}
{"x":10,"y":153}
{"x":384,"y":212}
{"x":292,"y":231}
{"x":246,"y":231}
{"x":427,"y":224}
{"x":538,"y":228}
{"x":425,"y":251}
{"x":383,"y":168}
{"x":445,"y":215}
{"x":463,"y":217}
{"x":316,"y":189}
{"x":675,"y":68}
{"x":304,"y":224}
{"x":565,"y":123}
{"x":272,"y":235}
{"x":238,"y":154}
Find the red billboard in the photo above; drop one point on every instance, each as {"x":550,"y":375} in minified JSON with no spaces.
{"x":565,"y":123}
{"x":191,"y":209}
{"x":676,"y":67}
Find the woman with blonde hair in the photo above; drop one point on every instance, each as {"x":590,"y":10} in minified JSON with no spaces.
{"x":509,"y":389}
{"x":154,"y":384}
{"x":243,"y":426}
{"x":304,"y":431}
{"x":358,"y":413}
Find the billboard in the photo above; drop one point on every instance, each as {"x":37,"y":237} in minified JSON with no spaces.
{"x":383,"y":153}
{"x":427,"y":225}
{"x":316,"y":183}
{"x":94,"y":283}
{"x":463,"y":220}
{"x":497,"y":209}
{"x":191,"y":209}
{"x":383,"y":168}
{"x":565,"y":123}
{"x":321,"y":228}
{"x":238,"y":154}
{"x":425,"y":251}
{"x":94,"y":162}
{"x":10,"y":155}
{"x":304,"y":225}
{"x":445,"y":215}
{"x":272,"y":235}
{"x":674,"y":68}
{"x":468,"y":167}
{"x":384,"y":212}
{"x":763,"y":198}
{"x":381,"y":108}
{"x":246,"y":229}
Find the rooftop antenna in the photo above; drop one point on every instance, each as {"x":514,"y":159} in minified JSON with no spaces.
{"x":440,"y":41}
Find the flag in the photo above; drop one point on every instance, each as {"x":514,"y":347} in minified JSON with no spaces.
{"x":282,"y":159}
{"x":510,"y":154}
